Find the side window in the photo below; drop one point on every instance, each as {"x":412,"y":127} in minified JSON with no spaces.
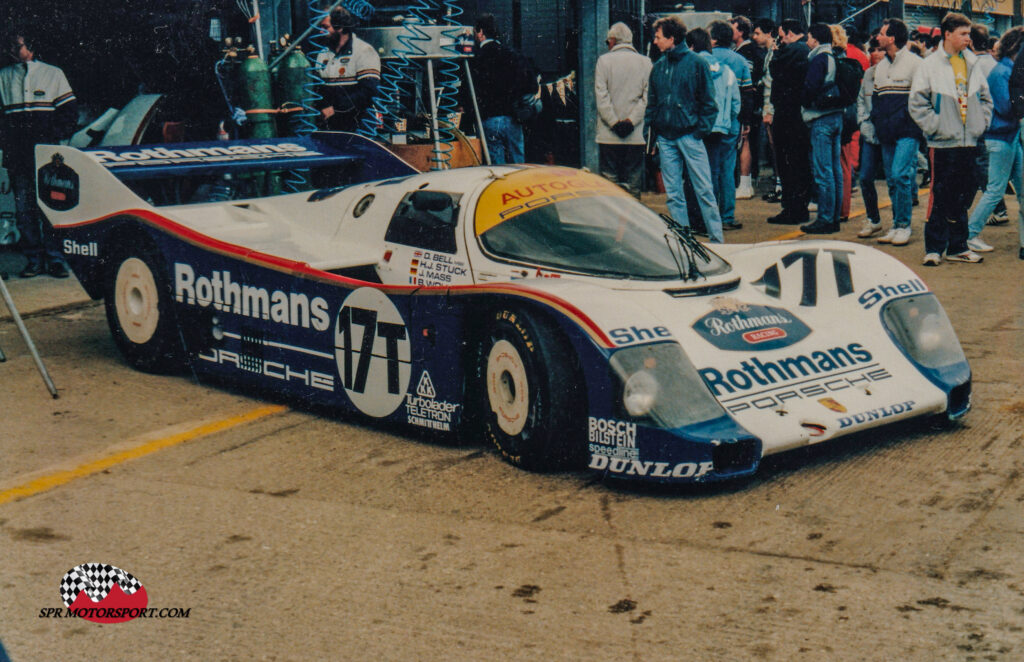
{"x":426,"y":219}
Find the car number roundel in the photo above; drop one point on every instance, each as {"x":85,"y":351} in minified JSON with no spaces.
{"x":372,"y":348}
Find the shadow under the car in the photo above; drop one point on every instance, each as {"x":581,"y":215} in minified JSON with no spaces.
{"x":775,"y":467}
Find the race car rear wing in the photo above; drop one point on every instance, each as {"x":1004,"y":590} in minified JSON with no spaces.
{"x":131,"y":162}
{"x":93,"y":182}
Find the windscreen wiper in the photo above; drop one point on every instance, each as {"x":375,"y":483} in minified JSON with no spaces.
{"x":686,"y":246}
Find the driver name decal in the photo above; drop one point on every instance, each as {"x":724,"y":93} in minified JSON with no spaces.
{"x":741,"y":327}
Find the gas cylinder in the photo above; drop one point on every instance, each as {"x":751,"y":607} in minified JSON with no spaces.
{"x":290,"y":77}
{"x":256,"y":97}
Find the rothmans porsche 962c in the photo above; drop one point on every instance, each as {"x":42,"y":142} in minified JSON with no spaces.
{"x":541,"y":308}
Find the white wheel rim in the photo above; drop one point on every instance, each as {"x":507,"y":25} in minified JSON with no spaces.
{"x":507,"y":387}
{"x":136,"y":300}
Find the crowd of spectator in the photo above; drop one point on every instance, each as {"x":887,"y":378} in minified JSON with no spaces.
{"x":837,"y":107}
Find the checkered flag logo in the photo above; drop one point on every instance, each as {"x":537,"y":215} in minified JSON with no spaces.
{"x":96,"y":579}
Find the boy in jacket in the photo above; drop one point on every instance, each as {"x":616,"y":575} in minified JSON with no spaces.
{"x":949,"y":100}
{"x":681,"y":110}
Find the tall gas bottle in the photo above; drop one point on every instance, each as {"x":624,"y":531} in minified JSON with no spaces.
{"x":289,"y":79}
{"x":256,"y":96}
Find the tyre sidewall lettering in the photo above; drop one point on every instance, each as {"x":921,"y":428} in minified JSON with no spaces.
{"x":513,"y":329}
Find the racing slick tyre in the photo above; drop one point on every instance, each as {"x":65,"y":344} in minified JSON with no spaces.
{"x":140,"y":313}
{"x":528,"y":391}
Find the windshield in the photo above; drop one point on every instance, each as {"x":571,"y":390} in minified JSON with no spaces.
{"x":572,"y":220}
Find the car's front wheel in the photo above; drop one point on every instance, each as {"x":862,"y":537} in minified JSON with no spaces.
{"x":140,"y":314}
{"x":528,"y":389}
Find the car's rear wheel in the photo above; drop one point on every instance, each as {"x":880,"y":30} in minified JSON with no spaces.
{"x":528,"y":391}
{"x":140,"y":314}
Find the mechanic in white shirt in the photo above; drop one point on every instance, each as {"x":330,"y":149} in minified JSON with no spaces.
{"x":350,"y":69}
{"x":37,"y":106}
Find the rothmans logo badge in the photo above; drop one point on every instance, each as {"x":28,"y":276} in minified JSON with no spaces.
{"x":734,"y":325}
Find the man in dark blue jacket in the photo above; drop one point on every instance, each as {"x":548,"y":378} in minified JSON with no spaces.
{"x":681,"y":110}
{"x":792,"y":141}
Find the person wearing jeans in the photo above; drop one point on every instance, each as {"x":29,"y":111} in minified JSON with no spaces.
{"x":723,"y":141}
{"x":504,"y":139}
{"x":895,"y":130}
{"x":1002,"y":142}
{"x":900,"y":161}
{"x":826,"y":128}
{"x":689,"y":150}
{"x":681,"y":110}
{"x":826,"y":132}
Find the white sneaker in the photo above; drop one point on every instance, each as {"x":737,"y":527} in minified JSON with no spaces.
{"x":744,"y":192}
{"x":932,"y":260}
{"x":967,"y":256}
{"x":979,"y":246}
{"x":887,"y":237}
{"x":812,"y":206}
{"x":870,"y":229}
{"x":900,"y":236}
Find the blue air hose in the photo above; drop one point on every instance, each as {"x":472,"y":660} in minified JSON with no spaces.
{"x":389,"y":93}
{"x":448,"y":85}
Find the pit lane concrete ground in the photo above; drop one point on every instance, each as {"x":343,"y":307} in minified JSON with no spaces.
{"x":297,"y":537}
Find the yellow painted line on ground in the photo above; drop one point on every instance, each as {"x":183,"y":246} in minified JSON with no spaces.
{"x":56,"y":479}
{"x":795,"y":234}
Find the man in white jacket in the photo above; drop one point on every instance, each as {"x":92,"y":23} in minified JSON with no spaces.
{"x":620,"y":84}
{"x":950,"y":101}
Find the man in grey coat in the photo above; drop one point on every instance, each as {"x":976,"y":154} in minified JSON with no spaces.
{"x":620,"y":84}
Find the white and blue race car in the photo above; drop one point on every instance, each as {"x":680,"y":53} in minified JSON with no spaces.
{"x":542,"y":308}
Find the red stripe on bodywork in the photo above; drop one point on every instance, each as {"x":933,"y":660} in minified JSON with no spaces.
{"x":302,"y":268}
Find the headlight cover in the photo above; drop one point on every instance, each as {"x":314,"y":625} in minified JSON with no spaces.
{"x":660,"y":384}
{"x":920,"y":326}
